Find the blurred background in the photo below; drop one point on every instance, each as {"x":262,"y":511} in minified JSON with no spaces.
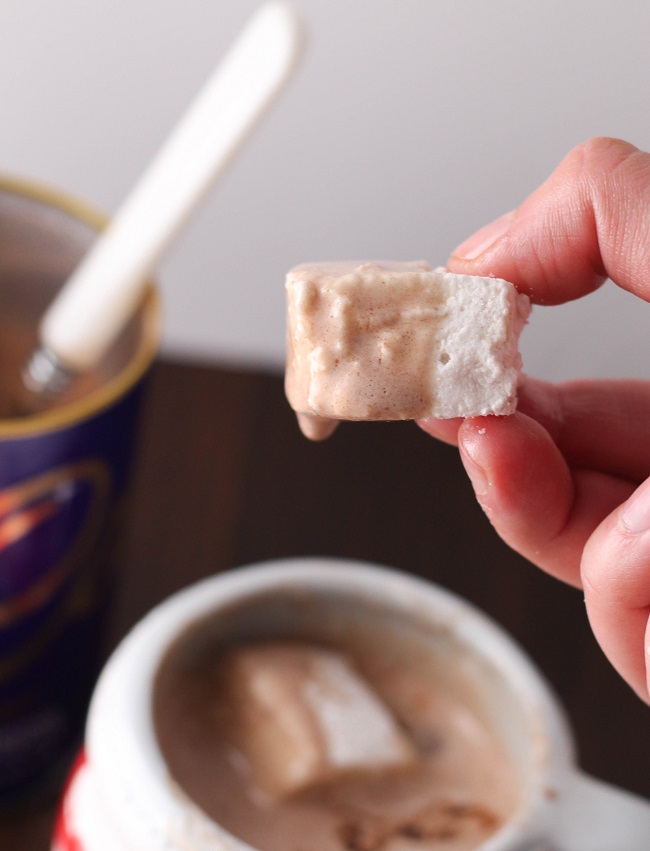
{"x":410,"y":124}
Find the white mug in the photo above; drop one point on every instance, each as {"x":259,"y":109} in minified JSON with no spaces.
{"x":121,"y":798}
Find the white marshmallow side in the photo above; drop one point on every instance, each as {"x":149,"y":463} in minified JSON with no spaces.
{"x":475,"y":364}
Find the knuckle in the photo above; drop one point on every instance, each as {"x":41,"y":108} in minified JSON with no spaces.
{"x":614,"y":567}
{"x":600,"y":151}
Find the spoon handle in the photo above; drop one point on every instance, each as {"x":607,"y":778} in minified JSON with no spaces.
{"x":104,"y":290}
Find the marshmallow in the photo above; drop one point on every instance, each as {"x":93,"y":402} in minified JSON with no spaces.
{"x":395,"y":341}
{"x":301,"y":716}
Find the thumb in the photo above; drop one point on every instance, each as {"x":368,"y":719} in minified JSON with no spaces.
{"x":615,"y":573}
{"x":590,"y":220}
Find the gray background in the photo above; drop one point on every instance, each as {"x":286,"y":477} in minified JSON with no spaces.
{"x":410,"y":124}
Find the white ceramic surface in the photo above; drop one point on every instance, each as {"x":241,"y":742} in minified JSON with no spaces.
{"x":123,"y":797}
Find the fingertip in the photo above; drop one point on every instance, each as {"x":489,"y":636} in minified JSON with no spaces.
{"x":482,"y":449}
{"x":475,"y":453}
{"x":445,"y":430}
{"x":476,"y":434}
{"x":523,"y":483}
{"x":580,"y":227}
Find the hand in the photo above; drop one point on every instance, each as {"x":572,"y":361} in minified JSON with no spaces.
{"x":564,"y":480}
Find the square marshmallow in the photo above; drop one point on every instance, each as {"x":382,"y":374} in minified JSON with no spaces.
{"x":394,"y":341}
{"x":303,"y":716}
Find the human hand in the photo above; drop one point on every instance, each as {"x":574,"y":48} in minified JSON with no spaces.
{"x":564,"y":480}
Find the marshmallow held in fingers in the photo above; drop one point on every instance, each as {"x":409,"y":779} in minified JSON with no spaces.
{"x":301,"y":716}
{"x":399,"y":341}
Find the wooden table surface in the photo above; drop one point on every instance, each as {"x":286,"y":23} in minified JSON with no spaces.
{"x":223,"y":478}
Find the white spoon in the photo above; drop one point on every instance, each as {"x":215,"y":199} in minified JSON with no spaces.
{"x":103,"y":292}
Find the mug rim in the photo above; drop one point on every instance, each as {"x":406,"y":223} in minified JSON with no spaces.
{"x":118,"y":385}
{"x":123,"y":700}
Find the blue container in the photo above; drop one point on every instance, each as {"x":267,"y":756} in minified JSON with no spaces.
{"x":63,"y":479}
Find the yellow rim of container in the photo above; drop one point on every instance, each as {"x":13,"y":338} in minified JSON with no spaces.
{"x":120,"y":384}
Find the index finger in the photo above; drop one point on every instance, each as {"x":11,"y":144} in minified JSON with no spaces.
{"x":589,"y":221}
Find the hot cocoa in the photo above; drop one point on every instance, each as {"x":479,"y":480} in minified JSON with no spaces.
{"x":460,"y":788}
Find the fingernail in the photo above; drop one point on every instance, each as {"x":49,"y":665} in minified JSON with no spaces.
{"x":635,"y":513}
{"x":475,"y":471}
{"x":485,"y":238}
